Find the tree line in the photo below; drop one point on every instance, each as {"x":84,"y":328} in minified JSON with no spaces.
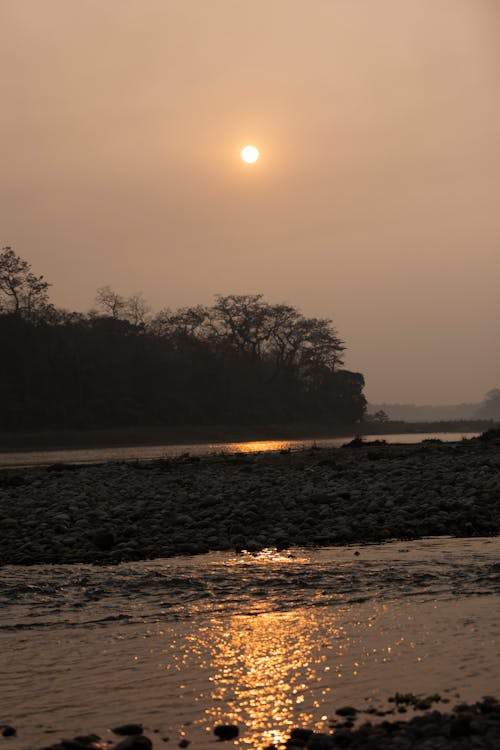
{"x":241,"y":360}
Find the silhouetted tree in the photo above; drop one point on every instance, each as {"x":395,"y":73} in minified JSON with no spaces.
{"x":490,"y":407}
{"x":133,"y":308}
{"x":380,"y":416}
{"x":241,"y":360}
{"x":21,"y":292}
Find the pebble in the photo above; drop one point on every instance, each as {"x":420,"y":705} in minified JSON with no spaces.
{"x":118,"y":512}
{"x":346,"y":711}
{"x":467,"y":727}
{"x":134,"y":742}
{"x":226,"y":731}
{"x":126,"y":729}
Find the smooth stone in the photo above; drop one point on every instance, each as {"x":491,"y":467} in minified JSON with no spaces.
{"x":135,"y":742}
{"x":460,"y":727}
{"x":127,"y":729}
{"x":226,"y":731}
{"x":346,"y":711}
{"x":301,"y":734}
{"x":87,"y":739}
{"x":320,"y":742}
{"x":104,"y":540}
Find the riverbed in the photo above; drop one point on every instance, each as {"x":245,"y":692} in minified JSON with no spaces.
{"x":135,"y":510}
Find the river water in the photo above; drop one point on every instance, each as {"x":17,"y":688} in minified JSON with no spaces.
{"x":267,"y":641}
{"x":149,"y":452}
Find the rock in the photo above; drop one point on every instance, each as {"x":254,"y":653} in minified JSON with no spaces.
{"x":281,"y":543}
{"x":301,"y":734}
{"x":320,"y":742}
{"x":460,"y":727}
{"x":127,"y":729}
{"x":253,"y":546}
{"x":346,"y":711}
{"x":104,"y":540}
{"x":226,"y":731}
{"x":423,"y":705}
{"x":239,"y":543}
{"x":88,"y":739}
{"x":489,"y":705}
{"x":134,"y":742}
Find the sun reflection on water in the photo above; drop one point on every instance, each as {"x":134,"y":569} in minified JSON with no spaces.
{"x":268,"y":675}
{"x":266,"y":671}
{"x":255,"y":446}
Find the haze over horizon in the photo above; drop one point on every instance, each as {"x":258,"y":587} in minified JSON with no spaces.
{"x":374,"y":203}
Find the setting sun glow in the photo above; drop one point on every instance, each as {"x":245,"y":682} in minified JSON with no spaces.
{"x":250,"y":154}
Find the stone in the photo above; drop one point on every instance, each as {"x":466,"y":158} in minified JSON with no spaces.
{"x":460,"y":727}
{"x":346,"y":711}
{"x":134,"y":742}
{"x":104,"y":540}
{"x":87,"y":739}
{"x":320,"y":742}
{"x":128,"y":729}
{"x":301,"y":734}
{"x":281,"y":543}
{"x":226,"y":731}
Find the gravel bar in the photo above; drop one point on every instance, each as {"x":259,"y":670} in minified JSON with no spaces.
{"x":364,"y":492}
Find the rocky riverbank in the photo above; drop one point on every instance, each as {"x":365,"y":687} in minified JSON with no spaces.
{"x":365,"y":492}
{"x":467,"y":726}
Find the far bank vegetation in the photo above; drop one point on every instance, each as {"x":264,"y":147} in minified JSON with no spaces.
{"x":241,"y":360}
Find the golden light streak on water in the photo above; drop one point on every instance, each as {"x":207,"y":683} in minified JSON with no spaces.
{"x":256,"y":446}
{"x":268,"y":673}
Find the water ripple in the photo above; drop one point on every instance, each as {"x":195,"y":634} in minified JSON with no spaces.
{"x":45,"y":596}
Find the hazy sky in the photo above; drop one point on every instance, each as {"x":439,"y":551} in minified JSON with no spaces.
{"x":376,"y":200}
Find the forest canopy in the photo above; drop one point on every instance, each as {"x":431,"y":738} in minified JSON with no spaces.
{"x":241,"y":360}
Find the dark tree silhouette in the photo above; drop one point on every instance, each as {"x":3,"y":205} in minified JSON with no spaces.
{"x":21,"y":292}
{"x":133,"y":308}
{"x":241,"y":360}
{"x":490,"y":407}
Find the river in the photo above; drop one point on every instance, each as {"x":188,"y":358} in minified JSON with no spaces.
{"x":267,"y":641}
{"x":150,"y":452}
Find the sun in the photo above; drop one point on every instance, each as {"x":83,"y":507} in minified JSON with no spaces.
{"x":250,"y":154}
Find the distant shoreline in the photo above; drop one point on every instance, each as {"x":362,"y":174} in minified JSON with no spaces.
{"x":188,"y":434}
